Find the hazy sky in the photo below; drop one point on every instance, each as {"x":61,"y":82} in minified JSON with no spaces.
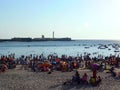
{"x":78,"y":19}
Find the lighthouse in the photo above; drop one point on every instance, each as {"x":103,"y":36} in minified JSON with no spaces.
{"x":53,"y":34}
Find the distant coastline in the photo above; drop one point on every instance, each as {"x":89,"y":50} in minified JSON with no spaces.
{"x":36,"y":39}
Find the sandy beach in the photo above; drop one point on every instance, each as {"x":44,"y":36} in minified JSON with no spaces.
{"x":16,"y":79}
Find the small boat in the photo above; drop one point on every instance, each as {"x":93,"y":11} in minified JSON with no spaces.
{"x":116,"y":51}
{"x":86,"y":47}
{"x":28,"y":45}
{"x":102,"y":47}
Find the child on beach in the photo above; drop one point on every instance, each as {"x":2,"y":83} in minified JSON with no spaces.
{"x":84,"y":78}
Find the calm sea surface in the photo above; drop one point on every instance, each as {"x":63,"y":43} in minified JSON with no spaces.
{"x":71,"y":48}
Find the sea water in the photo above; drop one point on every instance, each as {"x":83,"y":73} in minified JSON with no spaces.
{"x":69,"y":48}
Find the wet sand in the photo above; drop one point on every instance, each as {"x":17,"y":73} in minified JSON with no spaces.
{"x":16,"y":79}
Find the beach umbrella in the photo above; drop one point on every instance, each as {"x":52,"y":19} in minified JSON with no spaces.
{"x":95,"y":66}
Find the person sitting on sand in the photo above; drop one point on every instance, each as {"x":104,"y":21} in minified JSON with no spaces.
{"x":73,"y":78}
{"x":112,"y":68}
{"x":76,"y":77}
{"x":4,"y":67}
{"x":98,"y":80}
{"x":84,"y":78}
{"x":112,"y":72}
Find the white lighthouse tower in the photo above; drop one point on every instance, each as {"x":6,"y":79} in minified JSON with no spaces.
{"x":53,"y":35}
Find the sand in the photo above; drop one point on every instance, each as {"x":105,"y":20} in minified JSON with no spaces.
{"x":16,"y":79}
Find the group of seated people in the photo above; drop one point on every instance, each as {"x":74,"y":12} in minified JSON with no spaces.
{"x":76,"y":78}
{"x":94,"y":81}
{"x":115,"y":72}
{"x":3,"y":68}
{"x":7,"y":62}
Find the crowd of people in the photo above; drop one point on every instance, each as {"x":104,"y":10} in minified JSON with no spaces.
{"x":94,"y":80}
{"x":40,"y":63}
{"x":7,"y":62}
{"x":66,"y":63}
